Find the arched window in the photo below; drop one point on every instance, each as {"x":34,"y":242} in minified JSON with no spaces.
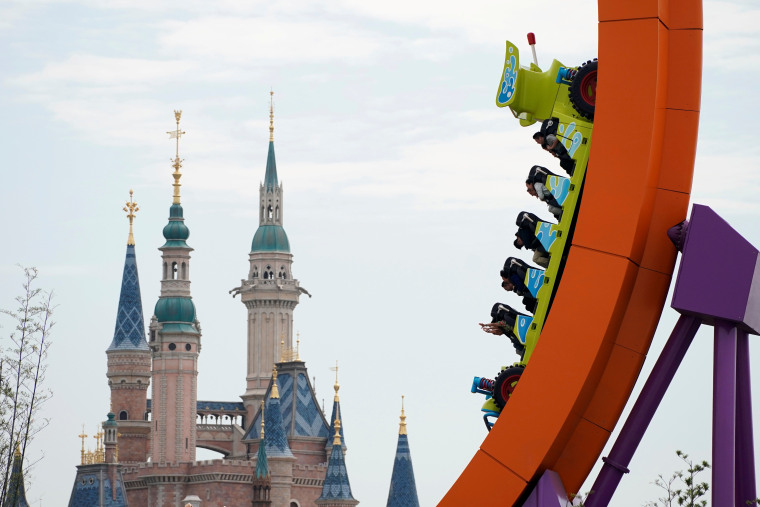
{"x":277,"y":213}
{"x":184,"y":271}
{"x":165,"y":271}
{"x":269,"y":212}
{"x":123,"y":416}
{"x":174,"y":270}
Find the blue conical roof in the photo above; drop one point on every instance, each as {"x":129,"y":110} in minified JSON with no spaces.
{"x":335,"y":412}
{"x":336,"y":485}
{"x":276,"y":436}
{"x":262,"y":466}
{"x":130,"y":326}
{"x":270,"y":178}
{"x":16,"y":494}
{"x":403,"y":492}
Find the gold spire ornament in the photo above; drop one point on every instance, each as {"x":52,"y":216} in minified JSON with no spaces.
{"x":131,"y":208}
{"x":336,"y":386}
{"x":177,"y":163}
{"x":402,"y":424}
{"x":336,"y":438}
{"x":271,"y":116}
{"x":275,"y":392}
{"x":262,"y":421}
{"x":82,"y":435}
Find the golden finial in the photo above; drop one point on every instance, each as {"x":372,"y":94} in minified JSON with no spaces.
{"x":336,"y":438}
{"x":131,"y":208}
{"x":17,"y":452}
{"x":83,"y":435}
{"x":336,"y":386}
{"x":271,"y":115}
{"x":282,"y":348}
{"x":176,"y":134}
{"x":298,"y":345}
{"x":275,"y":393}
{"x":402,"y":424}
{"x":262,"y":420}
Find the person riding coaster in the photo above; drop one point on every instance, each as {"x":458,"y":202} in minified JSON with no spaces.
{"x":527,"y":237}
{"x":516,"y":276}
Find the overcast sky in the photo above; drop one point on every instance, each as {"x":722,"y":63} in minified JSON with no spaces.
{"x":401,"y":179}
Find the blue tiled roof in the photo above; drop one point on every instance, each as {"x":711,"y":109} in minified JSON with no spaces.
{"x":403,"y":492}
{"x":275,"y":436}
{"x":16,"y":494}
{"x":216,"y":406}
{"x":220,"y":406}
{"x":93,"y":488}
{"x":270,"y":177}
{"x":336,"y":485}
{"x":308,"y":420}
{"x":262,"y":467}
{"x":130,"y":326}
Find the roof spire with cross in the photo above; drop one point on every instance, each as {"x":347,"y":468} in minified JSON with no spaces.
{"x":176,"y":134}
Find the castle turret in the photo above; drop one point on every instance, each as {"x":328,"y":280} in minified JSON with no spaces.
{"x":403,"y":491}
{"x":336,"y":490}
{"x":129,"y":358}
{"x":99,"y":481}
{"x":280,"y":458}
{"x":269,"y":292}
{"x":262,"y":482}
{"x":15,"y":495}
{"x":175,"y":339}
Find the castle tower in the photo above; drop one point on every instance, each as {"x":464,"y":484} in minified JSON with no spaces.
{"x":336,"y":490}
{"x":403,"y":491}
{"x":129,"y":358}
{"x":262,"y":482}
{"x":175,"y":339}
{"x":269,"y":293}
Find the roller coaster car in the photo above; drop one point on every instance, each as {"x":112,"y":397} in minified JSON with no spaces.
{"x":567,"y":90}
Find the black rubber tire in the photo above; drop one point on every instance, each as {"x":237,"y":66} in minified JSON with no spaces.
{"x":582,"y":89}
{"x":505,"y":384}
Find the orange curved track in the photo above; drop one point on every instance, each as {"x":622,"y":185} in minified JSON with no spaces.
{"x":620,"y":263}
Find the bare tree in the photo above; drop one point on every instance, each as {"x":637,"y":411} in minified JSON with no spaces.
{"x":22,"y":373}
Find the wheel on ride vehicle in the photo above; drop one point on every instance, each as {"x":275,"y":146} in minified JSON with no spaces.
{"x":583,"y":89}
{"x":505,"y":384}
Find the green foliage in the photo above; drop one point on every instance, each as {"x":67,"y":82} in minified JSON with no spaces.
{"x":23,"y":355}
{"x":682,"y":488}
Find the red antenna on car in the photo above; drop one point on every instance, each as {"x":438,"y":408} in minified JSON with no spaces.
{"x":532,"y":42}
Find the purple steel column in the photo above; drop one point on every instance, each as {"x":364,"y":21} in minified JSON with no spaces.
{"x":615,"y":465}
{"x":745,"y":455}
{"x":724,"y":414}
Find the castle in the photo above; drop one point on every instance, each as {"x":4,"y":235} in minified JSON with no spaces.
{"x":278,"y":447}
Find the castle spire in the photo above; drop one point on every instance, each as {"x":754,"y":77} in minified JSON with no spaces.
{"x":336,"y":490}
{"x":402,"y":423}
{"x":262,"y":468}
{"x":336,"y":410}
{"x":403,"y":490}
{"x":16,"y":494}
{"x":131,"y":208}
{"x":177,"y":163}
{"x":271,"y":116}
{"x":130,"y":326}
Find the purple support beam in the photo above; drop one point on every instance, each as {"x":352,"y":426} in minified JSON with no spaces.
{"x":643,"y":410}
{"x":724,"y":414}
{"x":745,"y":462}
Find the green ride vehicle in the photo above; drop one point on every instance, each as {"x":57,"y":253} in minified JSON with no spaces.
{"x":563,"y":100}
